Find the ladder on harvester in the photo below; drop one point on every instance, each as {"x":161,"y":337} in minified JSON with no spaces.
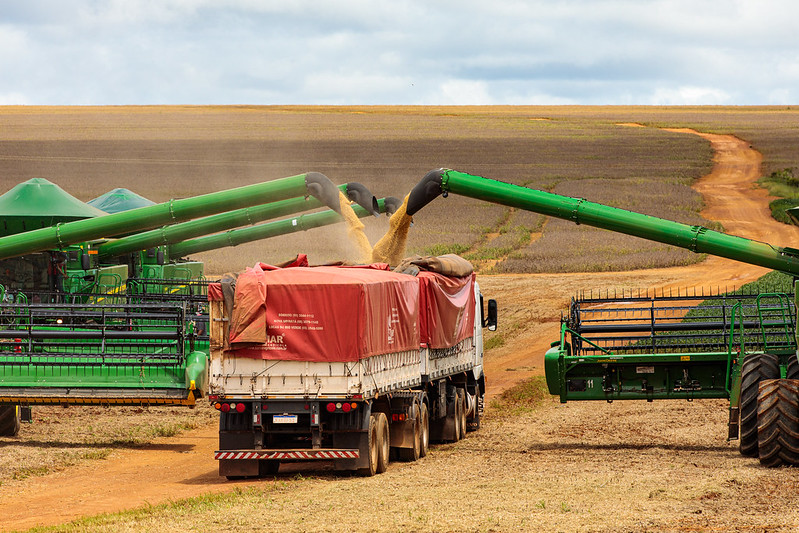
{"x":777,"y":323}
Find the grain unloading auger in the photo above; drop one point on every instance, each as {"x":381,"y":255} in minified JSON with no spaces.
{"x":175,"y":233}
{"x":121,"y":354}
{"x":303,"y":222}
{"x":738,"y":347}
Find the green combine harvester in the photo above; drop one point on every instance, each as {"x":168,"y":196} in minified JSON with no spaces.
{"x":74,"y":333}
{"x":740,"y":347}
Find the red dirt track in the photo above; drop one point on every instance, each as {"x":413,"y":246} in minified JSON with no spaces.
{"x":180,"y":467}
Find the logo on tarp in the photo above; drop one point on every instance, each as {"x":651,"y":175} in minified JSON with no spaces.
{"x":393,"y":318}
{"x":275,"y":342}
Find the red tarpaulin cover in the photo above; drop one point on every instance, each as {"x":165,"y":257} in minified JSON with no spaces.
{"x":325,"y":313}
{"x":214,"y":291}
{"x":447,"y":309}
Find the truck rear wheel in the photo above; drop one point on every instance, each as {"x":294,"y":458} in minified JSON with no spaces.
{"x":9,"y":420}
{"x":424,"y":437}
{"x":371,"y":451}
{"x":383,"y":443}
{"x":268,"y":467}
{"x":755,"y":368}
{"x":473,"y":424}
{"x":456,"y":414}
{"x":778,"y":422}
{"x":462,"y":397}
{"x":413,"y":454}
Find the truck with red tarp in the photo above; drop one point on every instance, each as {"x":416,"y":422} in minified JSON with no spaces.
{"x":354,"y":364}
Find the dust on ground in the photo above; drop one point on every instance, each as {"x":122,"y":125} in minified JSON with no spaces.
{"x":632,"y":466}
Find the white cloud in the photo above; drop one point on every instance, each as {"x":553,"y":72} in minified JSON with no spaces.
{"x":464,"y":92}
{"x":690,"y":96}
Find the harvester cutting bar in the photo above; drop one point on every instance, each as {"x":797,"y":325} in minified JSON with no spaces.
{"x":109,"y":355}
{"x":75,"y":336}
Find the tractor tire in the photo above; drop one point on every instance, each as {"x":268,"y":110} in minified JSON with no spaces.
{"x":755,"y":368}
{"x":383,"y":443}
{"x":424,"y":437}
{"x":778,"y":422}
{"x":371,"y":451}
{"x":9,"y":420}
{"x":792,"y":371}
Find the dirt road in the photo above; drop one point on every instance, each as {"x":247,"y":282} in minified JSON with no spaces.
{"x":181,"y":467}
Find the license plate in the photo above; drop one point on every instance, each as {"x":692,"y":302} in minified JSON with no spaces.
{"x":284,"y":419}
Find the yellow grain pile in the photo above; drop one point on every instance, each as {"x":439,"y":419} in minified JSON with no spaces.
{"x":391,"y":248}
{"x":355,"y":230}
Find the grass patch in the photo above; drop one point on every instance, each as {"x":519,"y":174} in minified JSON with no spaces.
{"x":784,"y":184}
{"x":443,"y":249}
{"x":780,"y":206}
{"x":525,"y":396}
{"x":772,"y":282}
{"x":494,"y":342}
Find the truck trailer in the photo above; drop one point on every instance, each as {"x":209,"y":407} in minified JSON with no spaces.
{"x":349,"y":364}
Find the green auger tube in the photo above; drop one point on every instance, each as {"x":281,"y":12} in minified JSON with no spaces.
{"x":580,"y":211}
{"x":231,"y":219}
{"x":272,"y":229}
{"x":144,"y":218}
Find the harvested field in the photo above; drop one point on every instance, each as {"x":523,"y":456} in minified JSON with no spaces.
{"x":536,"y":464}
{"x":163,"y":153}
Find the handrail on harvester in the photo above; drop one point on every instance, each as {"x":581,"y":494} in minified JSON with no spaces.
{"x":144,"y":218}
{"x":240,"y":217}
{"x":580,"y":211}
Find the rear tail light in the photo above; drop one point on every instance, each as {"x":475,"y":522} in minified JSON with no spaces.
{"x":225,"y":407}
{"x":240,"y":407}
{"x":344,"y":407}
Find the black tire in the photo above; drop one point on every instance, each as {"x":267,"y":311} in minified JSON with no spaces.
{"x":9,"y":420}
{"x":424,"y":437}
{"x":383,"y":443}
{"x":792,"y":370}
{"x":778,"y":422}
{"x":462,"y":394}
{"x":473,"y":424}
{"x":413,"y":454}
{"x":371,"y":451}
{"x":456,"y":414}
{"x":268,"y":467}
{"x":755,"y":368}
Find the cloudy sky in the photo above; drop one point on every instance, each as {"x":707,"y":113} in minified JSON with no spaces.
{"x":399,"y":52}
